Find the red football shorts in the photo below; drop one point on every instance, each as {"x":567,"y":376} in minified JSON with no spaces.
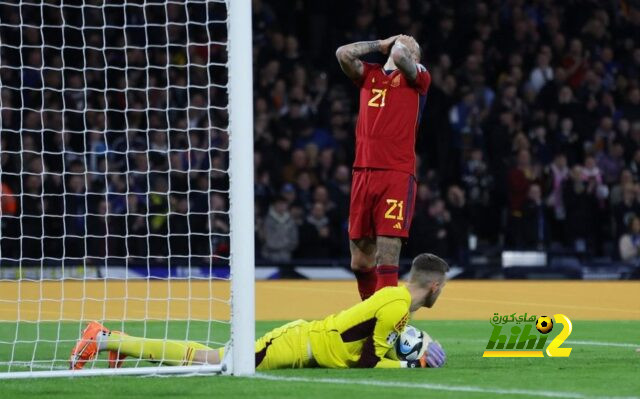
{"x":382,"y":203}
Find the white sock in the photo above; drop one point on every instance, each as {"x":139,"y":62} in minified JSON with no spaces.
{"x":101,"y":340}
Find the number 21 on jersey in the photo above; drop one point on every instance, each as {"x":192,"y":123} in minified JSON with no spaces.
{"x":378,"y":98}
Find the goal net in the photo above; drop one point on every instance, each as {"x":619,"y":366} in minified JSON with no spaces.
{"x":126,"y":176}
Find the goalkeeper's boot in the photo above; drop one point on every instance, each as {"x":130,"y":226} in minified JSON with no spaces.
{"x":116,"y":358}
{"x":87,"y":346}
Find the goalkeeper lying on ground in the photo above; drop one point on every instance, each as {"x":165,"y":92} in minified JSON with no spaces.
{"x":360,"y":336}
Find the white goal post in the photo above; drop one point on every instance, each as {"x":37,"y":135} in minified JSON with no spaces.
{"x":126,"y":141}
{"x":241,"y":174}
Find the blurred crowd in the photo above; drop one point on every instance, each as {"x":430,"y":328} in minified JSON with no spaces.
{"x":530,"y":137}
{"x":113,"y":144}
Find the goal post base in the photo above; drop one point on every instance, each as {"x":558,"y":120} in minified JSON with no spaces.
{"x":137,"y":371}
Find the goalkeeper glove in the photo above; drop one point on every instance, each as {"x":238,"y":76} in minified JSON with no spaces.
{"x":433,"y":357}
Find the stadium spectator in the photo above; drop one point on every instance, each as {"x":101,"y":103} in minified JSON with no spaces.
{"x":279,"y":234}
{"x":580,"y":224}
{"x":315,"y":234}
{"x":568,"y":142}
{"x":459,"y":230}
{"x":543,"y":72}
{"x":556,"y":176}
{"x":520,"y":178}
{"x":136,"y":226}
{"x":479,"y":187}
{"x":626,"y":209}
{"x":461,"y":113}
{"x":616,"y":196}
{"x":217,"y":228}
{"x":435,"y":228}
{"x":611,"y":163}
{"x":629,"y":243}
{"x":535,"y":220}
{"x":8,"y":202}
{"x":634,"y":165}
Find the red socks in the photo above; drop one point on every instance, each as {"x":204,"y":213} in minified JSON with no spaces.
{"x":371,"y":280}
{"x":387,"y":276}
{"x":366,"y":282}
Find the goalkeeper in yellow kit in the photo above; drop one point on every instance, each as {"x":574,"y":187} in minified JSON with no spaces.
{"x":360,"y":336}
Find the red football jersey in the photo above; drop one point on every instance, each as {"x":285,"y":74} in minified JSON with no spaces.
{"x":390,"y":110}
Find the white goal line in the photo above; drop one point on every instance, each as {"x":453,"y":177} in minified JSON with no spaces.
{"x":137,"y":371}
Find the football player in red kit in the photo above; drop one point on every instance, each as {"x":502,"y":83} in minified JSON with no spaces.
{"x":384,"y":186}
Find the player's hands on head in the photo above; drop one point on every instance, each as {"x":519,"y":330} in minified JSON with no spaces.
{"x":386,"y":44}
{"x":404,"y":39}
{"x":433,"y":357}
{"x":407,"y":41}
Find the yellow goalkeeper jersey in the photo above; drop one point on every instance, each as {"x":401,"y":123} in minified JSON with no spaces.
{"x":361,"y":335}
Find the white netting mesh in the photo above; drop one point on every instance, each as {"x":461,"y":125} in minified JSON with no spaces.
{"x":114,"y":156}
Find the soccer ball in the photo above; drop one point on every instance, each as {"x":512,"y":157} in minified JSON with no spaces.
{"x":412,"y":343}
{"x":544,"y":324}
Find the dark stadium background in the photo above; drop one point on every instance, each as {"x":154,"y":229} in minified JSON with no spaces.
{"x":519,"y":89}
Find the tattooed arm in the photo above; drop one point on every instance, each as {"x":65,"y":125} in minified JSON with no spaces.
{"x":349,"y":55}
{"x":401,"y":56}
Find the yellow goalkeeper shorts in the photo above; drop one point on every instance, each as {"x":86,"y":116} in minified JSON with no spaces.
{"x":285,"y":347}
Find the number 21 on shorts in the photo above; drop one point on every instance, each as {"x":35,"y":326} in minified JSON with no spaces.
{"x":395,"y":210}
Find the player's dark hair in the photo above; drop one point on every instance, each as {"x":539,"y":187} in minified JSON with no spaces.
{"x":426,"y":265}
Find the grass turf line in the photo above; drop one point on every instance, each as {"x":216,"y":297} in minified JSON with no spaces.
{"x":592,"y":371}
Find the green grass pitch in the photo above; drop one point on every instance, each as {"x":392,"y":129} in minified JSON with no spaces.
{"x":604,"y":363}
